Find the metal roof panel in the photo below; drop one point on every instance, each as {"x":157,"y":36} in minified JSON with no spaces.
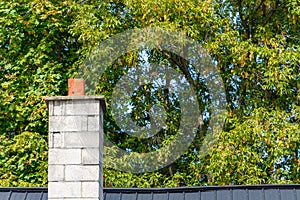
{"x":4,"y":195}
{"x":256,"y":192}
{"x":130,"y":196}
{"x":144,"y":196}
{"x":192,"y":195}
{"x":177,"y":196}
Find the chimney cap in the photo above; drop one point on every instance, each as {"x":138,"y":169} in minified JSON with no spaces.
{"x":101,"y":98}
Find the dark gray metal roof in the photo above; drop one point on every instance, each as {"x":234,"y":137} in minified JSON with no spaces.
{"x":23,"y":194}
{"x":252,"y":192}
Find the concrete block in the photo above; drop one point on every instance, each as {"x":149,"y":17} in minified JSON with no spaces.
{"x":93,"y":123}
{"x":75,"y":107}
{"x":56,"y":172}
{"x":81,"y":139}
{"x":64,"y":189}
{"x":50,"y":107}
{"x":64,"y":156}
{"x":81,"y":173}
{"x":80,"y":198}
{"x":57,"y":140}
{"x":50,"y":140}
{"x":67,"y":123}
{"x":90,"y":189}
{"x":90,"y":156}
{"x":74,"y":140}
{"x":58,"y":108}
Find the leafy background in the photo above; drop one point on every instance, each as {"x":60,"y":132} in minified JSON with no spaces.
{"x":255,"y":44}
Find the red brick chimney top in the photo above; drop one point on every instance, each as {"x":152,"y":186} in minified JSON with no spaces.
{"x":76,"y":87}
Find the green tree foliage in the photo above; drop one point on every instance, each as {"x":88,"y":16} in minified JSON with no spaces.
{"x":263,"y":149}
{"x":255,"y":45}
{"x":260,"y":68}
{"x":36,"y":55}
{"x":257,"y":52}
{"x":23,"y":160}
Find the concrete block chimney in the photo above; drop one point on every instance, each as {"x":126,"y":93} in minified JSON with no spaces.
{"x":75,"y":147}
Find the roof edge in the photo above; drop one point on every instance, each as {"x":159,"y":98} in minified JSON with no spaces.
{"x":164,"y":190}
{"x":23,"y":189}
{"x":200,"y":188}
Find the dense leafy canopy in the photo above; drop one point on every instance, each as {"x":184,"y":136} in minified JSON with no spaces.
{"x":23,"y":160}
{"x":255,"y":45}
{"x":37,"y":53}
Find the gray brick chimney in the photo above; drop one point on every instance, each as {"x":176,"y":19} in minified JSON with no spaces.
{"x":75,"y":147}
